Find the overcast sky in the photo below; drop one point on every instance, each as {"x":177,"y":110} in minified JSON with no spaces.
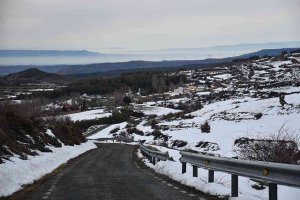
{"x":145,"y":24}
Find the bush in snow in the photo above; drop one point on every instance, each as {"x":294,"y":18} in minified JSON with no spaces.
{"x":22,"y":134}
{"x":159,"y":135}
{"x":153,"y":123}
{"x":179,"y":143}
{"x":205,"y":128}
{"x":127,"y":100}
{"x":65,"y":130}
{"x":281,"y":147}
{"x":115,"y":130}
{"x":208,"y":146}
{"x":258,"y":115}
{"x":135,"y":130}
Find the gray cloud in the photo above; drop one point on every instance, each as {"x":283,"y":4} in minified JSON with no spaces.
{"x":144,"y":24}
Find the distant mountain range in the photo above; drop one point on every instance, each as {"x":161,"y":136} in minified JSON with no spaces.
{"x":245,"y":46}
{"x":38,"y":53}
{"x":64,"y":74}
{"x":117,"y":67}
{"x":221,"y":51}
{"x":80,"y":57}
{"x":33,"y":75}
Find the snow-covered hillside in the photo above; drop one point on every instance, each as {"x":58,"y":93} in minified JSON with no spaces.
{"x":241,"y":100}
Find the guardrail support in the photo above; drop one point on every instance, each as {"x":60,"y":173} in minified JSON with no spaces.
{"x":153,"y":160}
{"x":234,"y":185}
{"x":195,"y":171}
{"x":273,"y":191}
{"x":211,"y":175}
{"x":183,"y":167}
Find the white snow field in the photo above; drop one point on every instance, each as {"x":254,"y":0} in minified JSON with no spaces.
{"x":17,"y":172}
{"x":91,"y":114}
{"x":225,"y":131}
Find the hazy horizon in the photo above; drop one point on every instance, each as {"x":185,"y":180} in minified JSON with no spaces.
{"x":154,"y":55}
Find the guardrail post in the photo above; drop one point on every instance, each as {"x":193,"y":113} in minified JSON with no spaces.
{"x":195,"y":171}
{"x":234,"y":185}
{"x":211,"y":174}
{"x":273,"y":191}
{"x":183,"y":167}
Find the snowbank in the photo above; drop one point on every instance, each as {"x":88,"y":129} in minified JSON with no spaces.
{"x":155,"y":110}
{"x":17,"y":172}
{"x":91,"y":114}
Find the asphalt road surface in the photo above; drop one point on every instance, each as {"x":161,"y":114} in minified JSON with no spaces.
{"x":110,"y":173}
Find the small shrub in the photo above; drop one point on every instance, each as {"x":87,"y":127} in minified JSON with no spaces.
{"x":258,"y":115}
{"x":152,"y":117}
{"x":205,"y":128}
{"x":187,"y":117}
{"x":172,"y":116}
{"x":23,"y":156}
{"x":164,"y":127}
{"x":153,"y":123}
{"x":158,"y":134}
{"x":179,"y":143}
{"x":139,"y":132}
{"x":208,"y":146}
{"x":127,"y":100}
{"x":129,"y":125}
{"x":115,"y":130}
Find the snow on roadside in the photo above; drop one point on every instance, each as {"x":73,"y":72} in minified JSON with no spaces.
{"x":91,"y":114}
{"x":18,"y":172}
{"x":222,"y":184}
{"x":105,"y":133}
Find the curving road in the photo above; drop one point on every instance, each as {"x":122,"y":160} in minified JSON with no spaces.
{"x":110,"y":173}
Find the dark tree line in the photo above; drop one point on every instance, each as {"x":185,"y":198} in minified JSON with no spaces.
{"x":146,"y":82}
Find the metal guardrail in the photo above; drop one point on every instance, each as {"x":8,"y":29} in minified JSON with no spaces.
{"x":106,"y":139}
{"x":273,"y":173}
{"x":117,"y":139}
{"x":153,"y":155}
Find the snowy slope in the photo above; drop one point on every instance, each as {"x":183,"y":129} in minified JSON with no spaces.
{"x":17,"y":172}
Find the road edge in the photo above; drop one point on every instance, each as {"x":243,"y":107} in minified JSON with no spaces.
{"x":140,"y":164}
{"x":28,"y":188}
